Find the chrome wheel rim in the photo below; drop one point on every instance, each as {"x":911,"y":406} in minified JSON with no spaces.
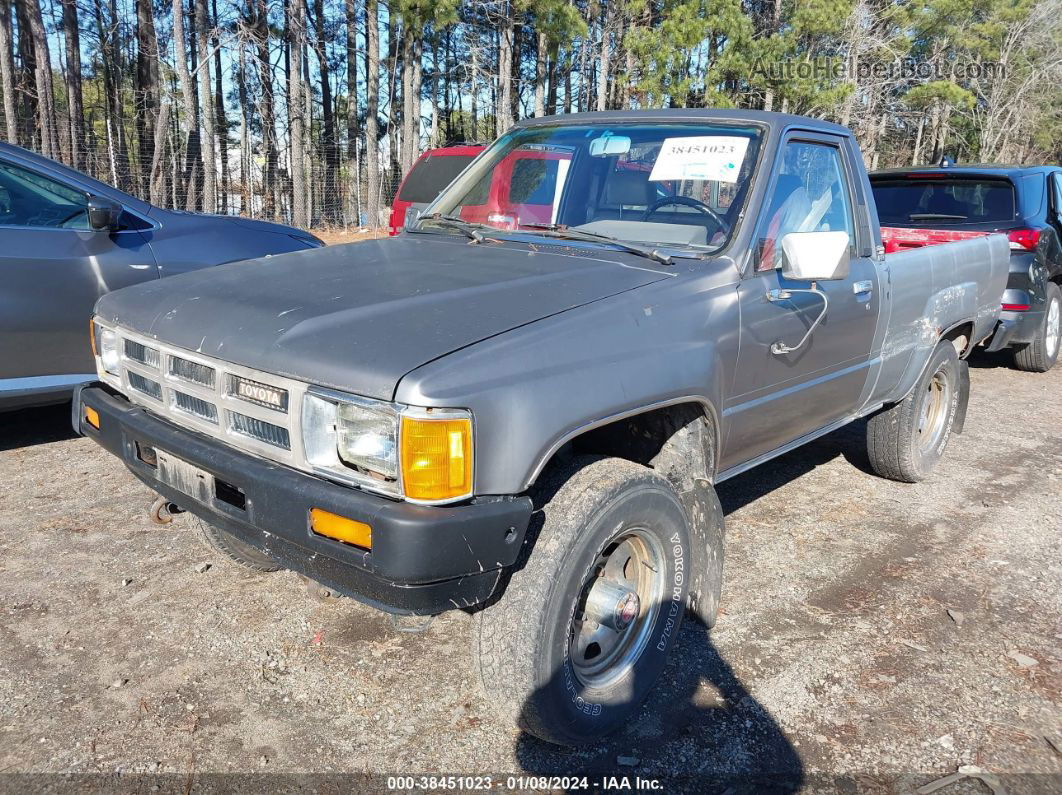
{"x":934,"y":416}
{"x":1054,"y":325}
{"x":617,"y":608}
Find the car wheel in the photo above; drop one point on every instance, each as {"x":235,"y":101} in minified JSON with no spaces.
{"x":1040,"y":355}
{"x":905,"y":441}
{"x":582,"y":631}
{"x":233,"y":548}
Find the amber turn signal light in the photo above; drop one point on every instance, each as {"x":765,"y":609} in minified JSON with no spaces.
{"x":436,"y":458}
{"x":340,"y":528}
{"x":92,"y":417}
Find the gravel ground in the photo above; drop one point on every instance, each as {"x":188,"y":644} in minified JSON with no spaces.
{"x":875,"y":635}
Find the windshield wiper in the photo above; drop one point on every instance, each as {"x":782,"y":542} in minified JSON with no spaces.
{"x":567,"y":233}
{"x":461,"y":225}
{"x":936,"y":217}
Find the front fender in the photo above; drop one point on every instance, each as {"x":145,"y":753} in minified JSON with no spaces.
{"x":534,"y":388}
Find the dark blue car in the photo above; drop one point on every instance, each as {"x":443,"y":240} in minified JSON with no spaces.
{"x":1025,"y":203}
{"x":66,"y":239}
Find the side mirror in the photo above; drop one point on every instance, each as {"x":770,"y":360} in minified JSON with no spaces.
{"x":103,"y":213}
{"x":815,"y":256}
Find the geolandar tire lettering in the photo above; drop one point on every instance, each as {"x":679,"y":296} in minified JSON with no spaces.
{"x":583,"y":628}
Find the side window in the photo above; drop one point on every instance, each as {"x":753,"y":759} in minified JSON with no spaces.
{"x":810,"y":194}
{"x":29,"y":199}
{"x":1056,"y":180}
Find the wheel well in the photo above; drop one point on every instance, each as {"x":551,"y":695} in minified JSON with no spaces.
{"x":961,"y":337}
{"x":678,"y":441}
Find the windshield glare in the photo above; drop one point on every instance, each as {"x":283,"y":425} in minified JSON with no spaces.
{"x":679,"y":185}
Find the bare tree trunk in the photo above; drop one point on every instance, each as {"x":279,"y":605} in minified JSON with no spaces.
{"x":296,"y":117}
{"x":158,"y":173}
{"x":267,"y":105}
{"x":7,"y":72}
{"x":473,"y":90}
{"x":372,"y":106}
{"x":146,"y":95}
{"x":416,"y":80}
{"x":541,"y":57}
{"x":245,"y":130}
{"x":49,"y":131}
{"x":352,"y":95}
{"x":219,"y":103}
{"x":206,"y":101}
{"x":75,"y":101}
{"x":330,"y":146}
{"x":603,"y":58}
{"x":506,"y":34}
{"x":189,"y":110}
{"x":916,"y":155}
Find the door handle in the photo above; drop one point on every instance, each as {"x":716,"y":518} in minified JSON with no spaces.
{"x":865,"y":286}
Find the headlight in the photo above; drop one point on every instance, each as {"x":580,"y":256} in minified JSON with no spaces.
{"x":367,"y":438}
{"x":106,"y":344}
{"x":422,"y":454}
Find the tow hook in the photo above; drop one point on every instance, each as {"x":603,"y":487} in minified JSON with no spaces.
{"x":162,"y":511}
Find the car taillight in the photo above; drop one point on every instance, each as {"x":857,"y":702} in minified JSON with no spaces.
{"x":1024,"y":239}
{"x":1015,"y":307}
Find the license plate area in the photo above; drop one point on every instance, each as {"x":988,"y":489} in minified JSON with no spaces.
{"x":185,"y":477}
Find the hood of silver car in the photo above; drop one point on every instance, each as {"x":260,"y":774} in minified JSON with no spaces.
{"x":360,"y":316}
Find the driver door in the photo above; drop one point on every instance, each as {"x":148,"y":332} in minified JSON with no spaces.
{"x":52,"y":270}
{"x":780,"y":397}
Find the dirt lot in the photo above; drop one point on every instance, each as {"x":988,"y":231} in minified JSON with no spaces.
{"x":876,"y":635}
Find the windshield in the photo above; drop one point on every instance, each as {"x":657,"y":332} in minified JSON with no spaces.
{"x":940,"y":201}
{"x":672,"y":185}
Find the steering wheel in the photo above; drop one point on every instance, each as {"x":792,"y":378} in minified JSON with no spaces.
{"x":686,"y":201}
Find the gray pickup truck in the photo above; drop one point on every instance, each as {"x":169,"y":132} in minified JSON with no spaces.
{"x":520,"y":406}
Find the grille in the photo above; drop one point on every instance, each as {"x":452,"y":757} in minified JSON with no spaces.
{"x":197,"y":392}
{"x":192,"y":371}
{"x":142,"y":353}
{"x":259,"y":429}
{"x":145,"y":385}
{"x":197,"y":406}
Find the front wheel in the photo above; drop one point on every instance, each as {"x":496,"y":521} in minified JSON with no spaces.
{"x":905,"y":441}
{"x":1040,"y":355}
{"x":583,"y":629}
{"x":236,"y":550}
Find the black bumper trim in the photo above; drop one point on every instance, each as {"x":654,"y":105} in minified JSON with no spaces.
{"x":424,"y":560}
{"x":1014,"y":328}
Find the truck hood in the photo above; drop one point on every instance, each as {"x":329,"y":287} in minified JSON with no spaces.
{"x":360,"y":316}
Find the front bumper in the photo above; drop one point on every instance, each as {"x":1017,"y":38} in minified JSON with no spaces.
{"x":424,"y":559}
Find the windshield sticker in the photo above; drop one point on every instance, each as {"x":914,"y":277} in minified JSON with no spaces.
{"x":712,"y":157}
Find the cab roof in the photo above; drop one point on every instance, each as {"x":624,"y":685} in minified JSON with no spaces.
{"x":672,"y":115}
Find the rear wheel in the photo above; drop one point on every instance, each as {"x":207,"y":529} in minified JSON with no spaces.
{"x":583,"y":629}
{"x":233,"y":548}
{"x":905,"y":441}
{"x":1040,"y":355}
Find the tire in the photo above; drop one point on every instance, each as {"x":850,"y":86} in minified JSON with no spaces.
{"x":1040,"y":355}
{"x":537,"y":661}
{"x":233,"y":548}
{"x":905,"y":441}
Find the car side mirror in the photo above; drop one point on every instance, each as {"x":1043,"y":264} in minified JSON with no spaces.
{"x":815,"y":256}
{"x":103,"y":213}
